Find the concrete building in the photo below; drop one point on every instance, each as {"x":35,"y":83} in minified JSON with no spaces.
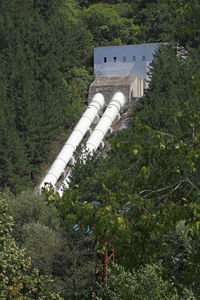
{"x":130,"y":86}
{"x":121,"y":61}
{"x":122,"y":68}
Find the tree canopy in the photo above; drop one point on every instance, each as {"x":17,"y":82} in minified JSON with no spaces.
{"x":43,"y":45}
{"x":17,"y":279}
{"x":143,"y":197}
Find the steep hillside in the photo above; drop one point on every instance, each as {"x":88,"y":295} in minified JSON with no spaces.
{"x":143,"y":196}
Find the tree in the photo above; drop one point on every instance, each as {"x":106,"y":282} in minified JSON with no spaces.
{"x":54,"y":249}
{"x":13,"y":162}
{"x":165,"y":104}
{"x":149,"y":182}
{"x":185,"y":16}
{"x":44,"y":47}
{"x":108,"y":26}
{"x":145,"y":283}
{"x":18,"y":280}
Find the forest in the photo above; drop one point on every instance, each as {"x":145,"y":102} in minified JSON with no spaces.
{"x":146,"y":188}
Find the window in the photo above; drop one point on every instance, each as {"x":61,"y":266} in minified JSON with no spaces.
{"x":105,"y":59}
{"x":114,"y":58}
{"x":134,"y":58}
{"x":124,"y":58}
{"x":143,"y":58}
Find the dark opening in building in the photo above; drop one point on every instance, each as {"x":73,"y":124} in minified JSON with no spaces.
{"x":105,"y":59}
{"x":134,"y":58}
{"x":114,"y":58}
{"x":124,"y":58}
{"x":143,"y":58}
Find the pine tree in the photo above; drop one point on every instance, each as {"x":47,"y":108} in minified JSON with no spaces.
{"x":41,"y":42}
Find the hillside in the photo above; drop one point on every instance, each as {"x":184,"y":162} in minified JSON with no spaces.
{"x":143,"y":196}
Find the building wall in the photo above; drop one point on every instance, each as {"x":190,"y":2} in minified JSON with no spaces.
{"x":121,"y":61}
{"x":131,"y":87}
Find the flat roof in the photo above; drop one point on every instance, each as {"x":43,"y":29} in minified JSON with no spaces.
{"x":145,"y":44}
{"x":106,"y":81}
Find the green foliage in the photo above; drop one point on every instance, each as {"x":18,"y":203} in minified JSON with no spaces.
{"x":169,"y":100}
{"x":54,"y":249}
{"x":155,"y":21}
{"x":43,"y":51}
{"x":78,"y":265}
{"x":186,"y":18}
{"x":144,"y":283}
{"x":42,"y":244}
{"x":78,"y":92}
{"x":28,"y":207}
{"x":109,"y":26}
{"x":175,"y":252}
{"x":148,"y":185}
{"x":46,"y":52}
{"x":13,"y":162}
{"x":17,"y":279}
{"x":143,"y":197}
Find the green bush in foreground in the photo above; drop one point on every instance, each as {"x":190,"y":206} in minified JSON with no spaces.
{"x":144,"y":284}
{"x":17,"y":279}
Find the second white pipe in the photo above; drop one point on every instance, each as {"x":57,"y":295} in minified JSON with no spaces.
{"x":110,"y":114}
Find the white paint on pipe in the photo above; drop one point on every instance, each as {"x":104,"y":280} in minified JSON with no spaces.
{"x":109,"y":116}
{"x":96,"y":138}
{"x":74,"y":140}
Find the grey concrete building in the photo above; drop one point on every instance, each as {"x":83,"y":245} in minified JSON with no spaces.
{"x":122,"y":68}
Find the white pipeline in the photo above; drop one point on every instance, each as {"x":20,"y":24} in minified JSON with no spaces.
{"x":109,"y":116}
{"x":74,"y":140}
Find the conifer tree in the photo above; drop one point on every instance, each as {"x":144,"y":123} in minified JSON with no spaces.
{"x":41,"y":42}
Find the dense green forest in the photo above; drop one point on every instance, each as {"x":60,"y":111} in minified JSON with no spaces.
{"x":146,"y":188}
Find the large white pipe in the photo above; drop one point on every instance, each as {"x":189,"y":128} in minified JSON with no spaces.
{"x":110,"y":114}
{"x":74,"y":140}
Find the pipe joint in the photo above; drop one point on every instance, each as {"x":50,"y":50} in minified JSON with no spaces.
{"x":96,"y":119}
{"x":119,"y":98}
{"x":99,"y":100}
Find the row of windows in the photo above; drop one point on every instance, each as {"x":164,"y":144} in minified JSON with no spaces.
{"x":124,"y":58}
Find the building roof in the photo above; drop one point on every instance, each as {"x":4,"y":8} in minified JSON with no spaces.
{"x":114,"y":81}
{"x":133,"y":45}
